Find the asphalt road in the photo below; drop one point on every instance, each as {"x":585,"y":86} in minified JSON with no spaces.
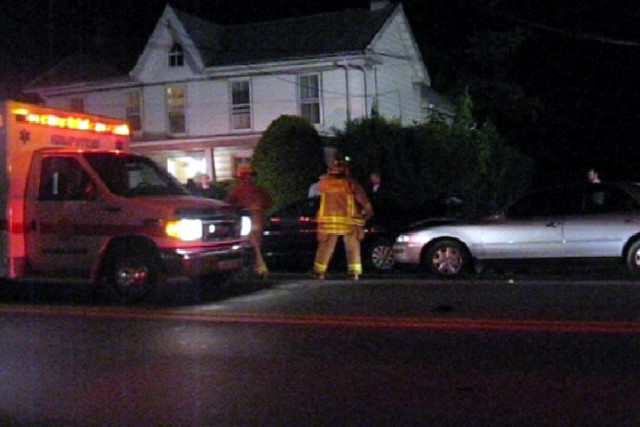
{"x":392,"y":350}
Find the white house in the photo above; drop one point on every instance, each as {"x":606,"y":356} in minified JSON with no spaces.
{"x":200,"y":94}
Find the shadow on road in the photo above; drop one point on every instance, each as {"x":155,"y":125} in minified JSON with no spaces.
{"x":216,"y":289}
{"x":174,"y":295}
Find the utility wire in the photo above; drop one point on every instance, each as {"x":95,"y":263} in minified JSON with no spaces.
{"x":573,"y":34}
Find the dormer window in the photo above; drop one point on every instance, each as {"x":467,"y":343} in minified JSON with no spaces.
{"x":176,"y":56}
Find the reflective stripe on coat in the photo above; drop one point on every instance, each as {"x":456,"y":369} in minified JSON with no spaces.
{"x":342,"y":202}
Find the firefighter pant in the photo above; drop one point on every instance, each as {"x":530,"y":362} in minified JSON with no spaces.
{"x":255,"y":238}
{"x":326,"y":246}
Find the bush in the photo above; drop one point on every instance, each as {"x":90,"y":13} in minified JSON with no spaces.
{"x":435,"y":161}
{"x":288,"y":158}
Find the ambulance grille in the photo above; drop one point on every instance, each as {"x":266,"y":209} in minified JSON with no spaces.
{"x":220,"y":230}
{"x":218,"y":224}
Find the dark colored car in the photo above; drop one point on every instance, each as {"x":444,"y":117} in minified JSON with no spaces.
{"x":290,"y":234}
{"x":289,"y":240}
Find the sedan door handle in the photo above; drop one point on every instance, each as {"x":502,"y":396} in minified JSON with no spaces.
{"x":553,"y":224}
{"x":113,"y":209}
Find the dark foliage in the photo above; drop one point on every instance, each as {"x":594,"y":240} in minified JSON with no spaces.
{"x":430,"y":163}
{"x":288,"y":159}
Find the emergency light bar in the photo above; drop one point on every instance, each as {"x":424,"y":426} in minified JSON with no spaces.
{"x":77,"y":123}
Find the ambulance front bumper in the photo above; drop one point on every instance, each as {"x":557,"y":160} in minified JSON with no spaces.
{"x":190,"y":263}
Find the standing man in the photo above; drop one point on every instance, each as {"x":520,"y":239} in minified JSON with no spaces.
{"x":248,"y":195}
{"x":593,"y":176}
{"x":344,"y":208}
{"x":374,"y":181}
{"x":204,"y":188}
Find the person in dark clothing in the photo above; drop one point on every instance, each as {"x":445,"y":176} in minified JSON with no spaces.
{"x":249,"y":195}
{"x":204,"y":188}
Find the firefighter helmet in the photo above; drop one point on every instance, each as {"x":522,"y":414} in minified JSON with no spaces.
{"x":245,"y":171}
{"x":339,"y":167}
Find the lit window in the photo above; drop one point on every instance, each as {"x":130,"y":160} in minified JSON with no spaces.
{"x":240,"y":105}
{"x":176,"y":56}
{"x":310,"y":97}
{"x":134,"y":110}
{"x":176,"y":98}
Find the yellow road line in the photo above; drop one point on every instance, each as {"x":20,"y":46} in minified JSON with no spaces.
{"x":380,"y":322}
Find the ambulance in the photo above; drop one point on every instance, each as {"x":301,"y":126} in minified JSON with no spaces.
{"x":77,"y":205}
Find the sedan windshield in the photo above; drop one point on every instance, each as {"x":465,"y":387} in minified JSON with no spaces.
{"x":130,"y":175}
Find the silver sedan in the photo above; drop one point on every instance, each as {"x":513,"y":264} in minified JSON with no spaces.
{"x":582,"y":221}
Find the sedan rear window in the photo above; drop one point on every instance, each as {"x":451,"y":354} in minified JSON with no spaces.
{"x":541,"y":203}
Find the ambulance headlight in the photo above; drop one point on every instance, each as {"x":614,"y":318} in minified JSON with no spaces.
{"x":185,"y":229}
{"x":245,"y":226}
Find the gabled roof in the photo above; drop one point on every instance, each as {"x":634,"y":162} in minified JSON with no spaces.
{"x":334,"y":33}
{"x":77,"y":69}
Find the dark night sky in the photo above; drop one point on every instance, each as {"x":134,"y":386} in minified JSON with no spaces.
{"x":37,"y":33}
{"x":578,"y":67}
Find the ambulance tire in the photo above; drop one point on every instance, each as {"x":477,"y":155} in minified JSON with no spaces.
{"x":131,"y":273}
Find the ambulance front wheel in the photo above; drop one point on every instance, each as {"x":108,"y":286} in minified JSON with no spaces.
{"x":131,"y":273}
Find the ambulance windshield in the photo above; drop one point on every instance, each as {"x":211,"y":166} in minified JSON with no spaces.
{"x":130,"y":175}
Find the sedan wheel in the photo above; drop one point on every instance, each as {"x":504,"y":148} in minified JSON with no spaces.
{"x":380,"y":256}
{"x":447,"y":258}
{"x":633,"y":258}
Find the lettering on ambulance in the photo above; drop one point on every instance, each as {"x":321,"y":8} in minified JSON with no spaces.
{"x":73,"y":142}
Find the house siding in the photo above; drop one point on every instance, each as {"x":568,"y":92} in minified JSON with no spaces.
{"x":154,"y":119}
{"x":107,"y":103}
{"x":201,"y":114}
{"x":218,"y":117}
{"x":155,"y":66}
{"x":398,"y":93}
{"x":388,"y":74}
{"x":273,"y":96}
{"x":334,"y":99}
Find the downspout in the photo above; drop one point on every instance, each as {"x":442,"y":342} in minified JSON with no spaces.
{"x":399,"y":105}
{"x":366,"y":93}
{"x":376,"y":101}
{"x":346,"y":78}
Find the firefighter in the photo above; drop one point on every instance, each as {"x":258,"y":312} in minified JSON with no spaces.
{"x":249,"y":195}
{"x":344,"y":209}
